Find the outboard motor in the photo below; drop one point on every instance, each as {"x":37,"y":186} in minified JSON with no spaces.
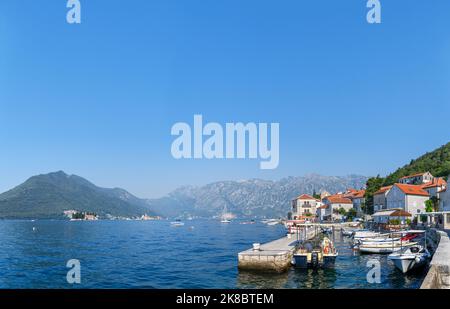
{"x":315,"y":259}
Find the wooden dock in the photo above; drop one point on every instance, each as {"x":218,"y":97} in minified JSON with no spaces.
{"x":273,"y":256}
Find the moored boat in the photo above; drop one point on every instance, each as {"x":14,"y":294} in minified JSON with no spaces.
{"x":316,"y":256}
{"x":176,"y":223}
{"x":410,"y":258}
{"x":384,"y":248}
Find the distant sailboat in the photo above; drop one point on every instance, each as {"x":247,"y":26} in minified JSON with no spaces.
{"x":225,"y":218}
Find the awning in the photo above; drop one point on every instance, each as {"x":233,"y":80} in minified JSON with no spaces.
{"x":392,"y":213}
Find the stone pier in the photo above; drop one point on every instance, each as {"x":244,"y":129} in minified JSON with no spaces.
{"x":273,"y":256}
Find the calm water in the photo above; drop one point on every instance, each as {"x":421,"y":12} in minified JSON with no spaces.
{"x":152,"y":254}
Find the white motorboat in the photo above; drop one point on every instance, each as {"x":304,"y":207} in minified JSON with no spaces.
{"x":384,"y":248}
{"x":410,"y":258}
{"x":273,"y":222}
{"x":377,"y":240}
{"x":346,"y":233}
{"x":176,"y":223}
{"x":226,"y":216}
{"x":350,"y":231}
{"x":367,"y":234}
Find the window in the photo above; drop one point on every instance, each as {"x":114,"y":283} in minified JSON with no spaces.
{"x":448,"y":218}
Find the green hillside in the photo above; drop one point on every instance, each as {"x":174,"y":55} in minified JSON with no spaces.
{"x":48,"y":196}
{"x":436,"y":162}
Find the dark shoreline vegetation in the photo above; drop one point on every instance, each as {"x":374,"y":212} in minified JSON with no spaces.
{"x":436,"y":162}
{"x":49,"y":196}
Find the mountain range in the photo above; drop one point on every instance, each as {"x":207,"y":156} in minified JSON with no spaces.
{"x":249,"y":198}
{"x":49,"y":195}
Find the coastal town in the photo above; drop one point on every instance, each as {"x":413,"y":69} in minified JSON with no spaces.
{"x":423,"y":197}
{"x":406,"y":224}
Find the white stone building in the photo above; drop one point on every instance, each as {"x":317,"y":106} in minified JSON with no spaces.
{"x":410,"y":198}
{"x":379,"y":198}
{"x":303,"y":206}
{"x":436,"y":187}
{"x":417,"y":179}
{"x":358,"y":201}
{"x":334,"y":203}
{"x":445,"y":200}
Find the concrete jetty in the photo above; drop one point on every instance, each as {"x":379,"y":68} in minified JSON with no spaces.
{"x":438,"y":276}
{"x":273,"y":256}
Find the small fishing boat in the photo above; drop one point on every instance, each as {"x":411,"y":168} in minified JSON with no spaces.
{"x":347,"y":232}
{"x":410,"y":258}
{"x":176,"y":223}
{"x":226,"y":216}
{"x":376,"y":240}
{"x":313,"y":255}
{"x":367,"y":234}
{"x":384,"y":240}
{"x":248,"y":222}
{"x":272,"y":221}
{"x":384,"y":248}
{"x":326,"y":230}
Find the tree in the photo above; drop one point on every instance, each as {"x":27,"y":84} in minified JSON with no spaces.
{"x":351,"y":213}
{"x":315,"y":195}
{"x":435,"y":202}
{"x":373,"y":185}
{"x":436,"y":162}
{"x":429,"y":207}
{"x":342,"y":211}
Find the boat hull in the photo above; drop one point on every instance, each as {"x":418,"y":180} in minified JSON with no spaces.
{"x":383,"y":248}
{"x":406,"y":263}
{"x":308,"y":261}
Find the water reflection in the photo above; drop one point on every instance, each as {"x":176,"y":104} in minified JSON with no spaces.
{"x":269,"y":280}
{"x":350,"y":271}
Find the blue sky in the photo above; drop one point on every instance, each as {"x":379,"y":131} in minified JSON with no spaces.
{"x":98,"y":99}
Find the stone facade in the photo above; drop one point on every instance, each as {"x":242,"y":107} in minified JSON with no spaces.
{"x":414,"y":204}
{"x":417,"y":179}
{"x":304,"y":205}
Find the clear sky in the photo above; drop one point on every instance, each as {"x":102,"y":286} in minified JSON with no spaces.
{"x":99,"y":99}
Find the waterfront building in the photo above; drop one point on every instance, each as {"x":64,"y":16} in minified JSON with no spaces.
{"x":445,"y":200}
{"x":435,"y":187}
{"x":410,"y":198}
{"x":90,"y":216}
{"x":321,"y":212}
{"x":379,"y":198}
{"x":417,"y":179}
{"x":358,"y":201}
{"x":334,"y":203}
{"x":304,"y":206}
{"x":324,"y":194}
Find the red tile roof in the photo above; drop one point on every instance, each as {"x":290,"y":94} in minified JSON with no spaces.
{"x":383,"y":190}
{"x":338,"y":200}
{"x":305,"y":197}
{"x":359,"y":194}
{"x":437,"y":182}
{"x":412,"y":189}
{"x":413,"y":175}
{"x":322,"y":207}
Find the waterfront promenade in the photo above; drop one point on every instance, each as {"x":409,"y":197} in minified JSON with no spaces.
{"x":438,"y":276}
